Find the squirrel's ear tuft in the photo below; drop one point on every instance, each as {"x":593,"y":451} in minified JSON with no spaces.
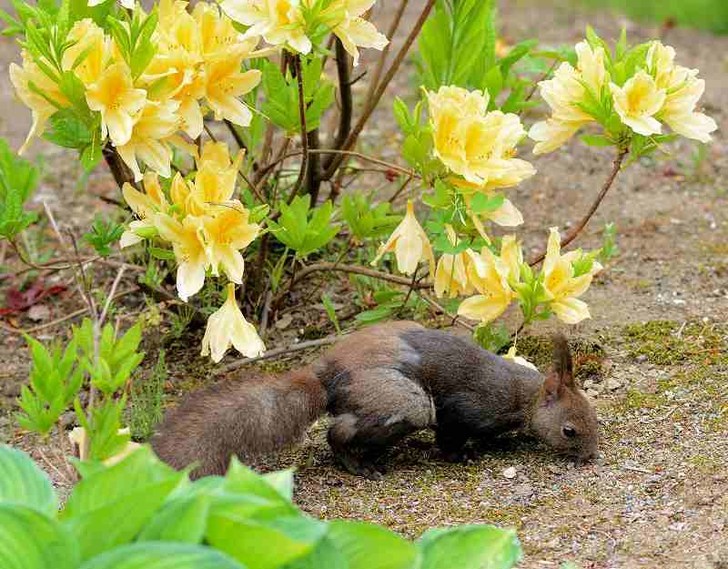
{"x":552,"y":388}
{"x":563,"y":364}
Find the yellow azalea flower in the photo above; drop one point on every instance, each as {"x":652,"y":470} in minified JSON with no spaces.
{"x":563,"y":92}
{"x":683,"y":91}
{"x":225,"y":83}
{"x":29,"y":81}
{"x":214,"y":181}
{"x":189,"y":249}
{"x":89,"y":54}
{"x":475,"y":144}
{"x":225,"y":233}
{"x":560,"y":284}
{"x":279,"y":22}
{"x":118,"y":101}
{"x":353,"y":30}
{"x":218,"y":36}
{"x":410,"y":245}
{"x":228,"y":327}
{"x":451,"y":275}
{"x":512,"y":256}
{"x":145,"y":205}
{"x":637,"y":101}
{"x":511,"y":355}
{"x":489,"y":275}
{"x":149,"y":144}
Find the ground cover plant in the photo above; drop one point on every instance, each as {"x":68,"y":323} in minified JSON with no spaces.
{"x":200,"y":121}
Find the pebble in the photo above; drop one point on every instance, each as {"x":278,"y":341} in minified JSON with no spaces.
{"x":510,"y":472}
{"x":523,"y":491}
{"x":593,"y":393}
{"x":613,"y":384}
{"x":641,"y":358}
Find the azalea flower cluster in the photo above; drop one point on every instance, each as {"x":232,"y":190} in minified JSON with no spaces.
{"x":492,"y":282}
{"x":658,"y":92}
{"x":292,"y":23}
{"x":207,"y":230}
{"x":478,"y":148}
{"x":195,"y":69}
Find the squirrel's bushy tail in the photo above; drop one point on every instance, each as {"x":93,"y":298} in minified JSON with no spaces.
{"x":246,"y":418}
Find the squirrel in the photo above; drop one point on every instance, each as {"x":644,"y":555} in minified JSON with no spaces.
{"x":379,"y":385}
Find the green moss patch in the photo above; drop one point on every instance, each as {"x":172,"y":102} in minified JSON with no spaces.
{"x":665,"y":342}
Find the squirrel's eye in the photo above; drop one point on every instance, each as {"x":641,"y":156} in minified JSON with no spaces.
{"x":569,"y":432}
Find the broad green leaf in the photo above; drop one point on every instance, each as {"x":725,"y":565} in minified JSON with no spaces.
{"x":111,"y":506}
{"x":183,"y":519}
{"x":30,"y":540}
{"x":469,"y":547}
{"x":267,"y":544}
{"x":368,"y":546}
{"x":23,"y":483}
{"x":160,"y":555}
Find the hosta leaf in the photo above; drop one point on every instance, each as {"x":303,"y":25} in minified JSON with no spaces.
{"x":469,"y":547}
{"x":30,"y":540}
{"x":23,"y":483}
{"x":160,"y":555}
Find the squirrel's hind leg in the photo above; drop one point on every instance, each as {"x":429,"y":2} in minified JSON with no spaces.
{"x":376,"y":409}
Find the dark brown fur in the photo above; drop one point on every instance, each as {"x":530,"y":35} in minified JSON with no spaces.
{"x":380,"y":385}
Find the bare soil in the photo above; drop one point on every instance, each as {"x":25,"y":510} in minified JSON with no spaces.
{"x":658,"y":497}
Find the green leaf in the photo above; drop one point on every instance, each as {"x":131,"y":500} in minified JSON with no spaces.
{"x":30,"y":540}
{"x":469,"y":547}
{"x":183,"y":519}
{"x":368,"y":546}
{"x":111,"y":506}
{"x":484,"y":203}
{"x":250,"y":542}
{"x":162,"y":556}
{"x":596,"y":140}
{"x":23,"y":483}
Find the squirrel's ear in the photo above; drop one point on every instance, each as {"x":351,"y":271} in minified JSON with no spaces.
{"x":552,"y":388}
{"x":563,"y":364}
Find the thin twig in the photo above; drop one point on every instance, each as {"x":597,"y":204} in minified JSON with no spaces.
{"x":544,"y":76}
{"x":110,"y":297}
{"x":236,"y":135}
{"x":374,"y":81}
{"x":277,"y":352}
{"x":616,"y":166}
{"x":357,"y":270}
{"x":374,"y":101}
{"x":53,"y":323}
{"x":347,"y":105}
{"x":455,"y":318}
{"x":401,"y":188}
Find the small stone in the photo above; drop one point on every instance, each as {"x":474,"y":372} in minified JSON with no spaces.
{"x":613,"y":384}
{"x":523,"y":491}
{"x":284,"y":321}
{"x":641,"y":358}
{"x":39,"y":312}
{"x":510,"y":472}
{"x":588,"y":384}
{"x":593,"y":393}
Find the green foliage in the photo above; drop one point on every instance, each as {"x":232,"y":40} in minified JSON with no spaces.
{"x":55,"y":379}
{"x":390,"y":304}
{"x":705,"y":14}
{"x":302,"y":229}
{"x":147,"y":397}
{"x":134,"y":39}
{"x":609,"y":248}
{"x":457,"y":46}
{"x":141,"y":513}
{"x":110,"y":363}
{"x":331,"y":311}
{"x":281,"y":95}
{"x":365,"y":220}
{"x":457,"y":43}
{"x":18,"y":180}
{"x":103,"y":424}
{"x":23,"y":484}
{"x":103,"y":235}
{"x":493,"y":336}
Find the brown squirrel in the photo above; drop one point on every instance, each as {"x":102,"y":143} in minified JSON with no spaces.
{"x":379,"y":385}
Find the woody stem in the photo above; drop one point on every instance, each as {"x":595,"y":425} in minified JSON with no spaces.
{"x":571,"y":235}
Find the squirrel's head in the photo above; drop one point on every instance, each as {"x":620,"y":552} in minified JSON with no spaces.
{"x":562,"y":415}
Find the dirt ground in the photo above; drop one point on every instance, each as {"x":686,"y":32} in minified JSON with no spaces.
{"x":658,"y":497}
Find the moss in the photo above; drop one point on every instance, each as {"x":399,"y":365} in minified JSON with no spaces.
{"x":665,"y":342}
{"x":588,"y":355}
{"x":636,"y":399}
